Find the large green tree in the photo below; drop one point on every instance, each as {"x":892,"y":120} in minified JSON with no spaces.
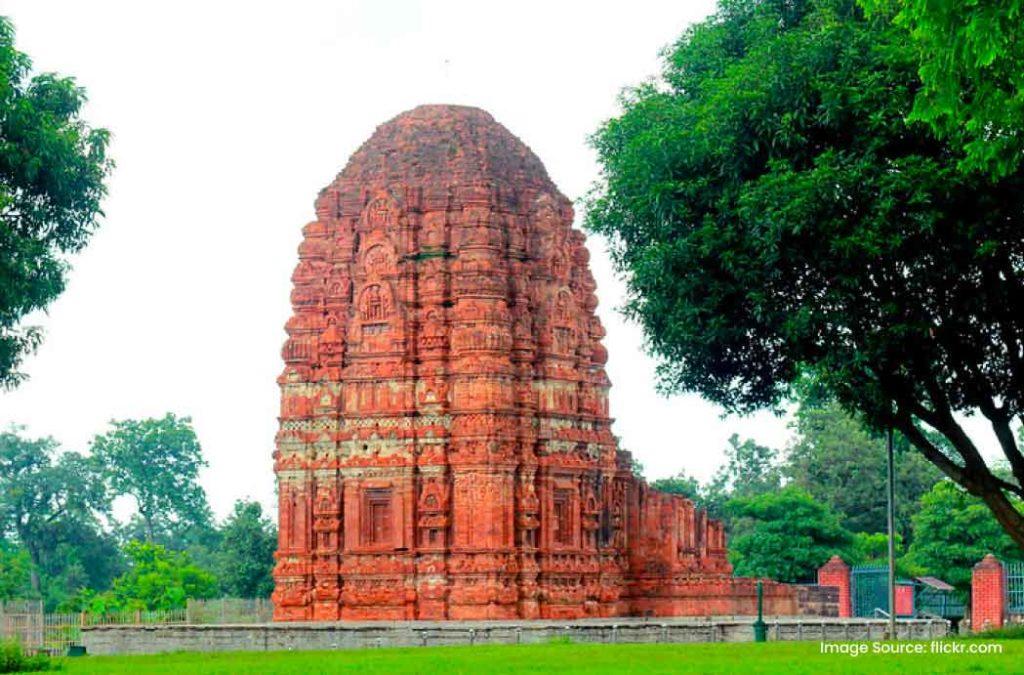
{"x":246,"y":552}
{"x":156,"y":462}
{"x":48,"y":501}
{"x":784,"y":535}
{"x":841,"y":463}
{"x":775,"y":213}
{"x":952,"y":532}
{"x":52,"y":168}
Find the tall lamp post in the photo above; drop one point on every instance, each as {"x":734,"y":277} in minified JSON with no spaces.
{"x":891,"y":506}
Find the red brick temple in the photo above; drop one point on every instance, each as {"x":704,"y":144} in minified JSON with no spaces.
{"x":445,"y":449}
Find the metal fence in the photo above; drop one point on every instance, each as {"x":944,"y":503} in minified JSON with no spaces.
{"x":947,"y":605}
{"x":24,"y":621}
{"x":869,"y":589}
{"x":230,"y":610}
{"x":1015,"y":586}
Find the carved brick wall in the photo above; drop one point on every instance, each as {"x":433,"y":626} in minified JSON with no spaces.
{"x":445,"y":449}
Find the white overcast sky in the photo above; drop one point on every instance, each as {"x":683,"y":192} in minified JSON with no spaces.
{"x":227,"y":119}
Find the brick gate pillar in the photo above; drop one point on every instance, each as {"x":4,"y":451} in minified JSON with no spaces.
{"x":837,"y":573}
{"x":988,"y":594}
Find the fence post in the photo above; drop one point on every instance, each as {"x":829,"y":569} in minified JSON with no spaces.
{"x":836,"y":573}
{"x":988,"y":594}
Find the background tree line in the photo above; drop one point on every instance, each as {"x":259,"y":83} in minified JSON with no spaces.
{"x":60,"y":540}
{"x":786,"y":512}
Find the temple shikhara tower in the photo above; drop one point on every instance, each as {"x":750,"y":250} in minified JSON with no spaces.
{"x":445,"y":447}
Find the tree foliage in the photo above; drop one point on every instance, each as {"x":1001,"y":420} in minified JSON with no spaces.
{"x":750,"y":469}
{"x":48,"y":501}
{"x":972,"y":72}
{"x":52,"y":168}
{"x":952,"y":532}
{"x":156,"y":462}
{"x":81,"y":555}
{"x":58,"y":541}
{"x":680,"y":484}
{"x":872,"y":548}
{"x":784,"y":535}
{"x":157,"y":579}
{"x":246,"y":552}
{"x":15,"y":571}
{"x":841,"y":463}
{"x":776,"y":212}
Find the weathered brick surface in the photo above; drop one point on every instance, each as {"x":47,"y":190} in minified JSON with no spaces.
{"x":817,"y":600}
{"x":445,"y":449}
{"x":836,"y":573}
{"x":988,"y":594}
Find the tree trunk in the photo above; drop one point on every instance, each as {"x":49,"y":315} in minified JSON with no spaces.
{"x":33,"y":556}
{"x":1009,"y":517}
{"x":149,"y":527}
{"x":974,"y":476}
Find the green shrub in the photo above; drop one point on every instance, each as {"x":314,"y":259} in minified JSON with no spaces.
{"x":157,"y":579}
{"x":13,"y":659}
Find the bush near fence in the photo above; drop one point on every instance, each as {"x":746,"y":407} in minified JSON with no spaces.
{"x":13,"y":659}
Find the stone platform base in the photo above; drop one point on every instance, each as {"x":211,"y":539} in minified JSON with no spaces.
{"x":351,"y":635}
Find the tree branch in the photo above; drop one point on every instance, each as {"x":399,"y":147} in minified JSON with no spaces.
{"x":1000,"y":422}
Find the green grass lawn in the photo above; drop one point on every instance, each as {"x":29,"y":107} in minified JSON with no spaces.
{"x":777,"y":657}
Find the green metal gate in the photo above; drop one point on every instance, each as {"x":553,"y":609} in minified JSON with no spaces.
{"x":869,"y":589}
{"x":1015,"y":586}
